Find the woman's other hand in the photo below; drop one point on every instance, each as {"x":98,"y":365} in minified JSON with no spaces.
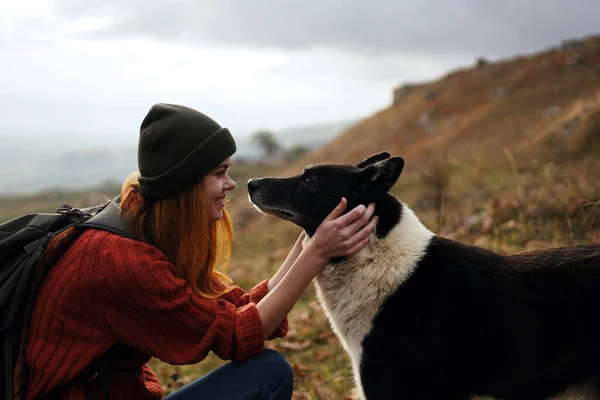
{"x":343,"y":235}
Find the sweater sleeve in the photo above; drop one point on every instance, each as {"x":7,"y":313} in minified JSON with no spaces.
{"x":240,"y":298}
{"x":150,"y":309}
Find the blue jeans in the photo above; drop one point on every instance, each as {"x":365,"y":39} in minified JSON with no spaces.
{"x":266,"y":376}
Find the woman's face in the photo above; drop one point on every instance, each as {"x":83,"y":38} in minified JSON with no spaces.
{"x":215,"y":186}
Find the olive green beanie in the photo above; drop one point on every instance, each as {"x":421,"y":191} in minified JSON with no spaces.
{"x":177,"y":147}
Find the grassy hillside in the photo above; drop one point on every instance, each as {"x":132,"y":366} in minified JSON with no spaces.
{"x":505,"y":156}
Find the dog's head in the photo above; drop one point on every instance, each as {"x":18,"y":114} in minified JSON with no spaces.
{"x":306,"y":199}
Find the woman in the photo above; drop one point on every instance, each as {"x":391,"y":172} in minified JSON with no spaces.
{"x":162,"y":296}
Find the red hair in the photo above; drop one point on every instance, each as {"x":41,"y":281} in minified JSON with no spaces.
{"x":179,"y":227}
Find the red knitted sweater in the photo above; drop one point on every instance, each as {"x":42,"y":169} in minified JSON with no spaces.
{"x":107,"y":289}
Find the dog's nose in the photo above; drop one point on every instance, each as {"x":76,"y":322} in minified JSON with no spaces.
{"x":252,"y":184}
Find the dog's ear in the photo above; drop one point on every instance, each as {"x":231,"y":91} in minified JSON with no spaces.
{"x":373,"y":159}
{"x":382,"y":175}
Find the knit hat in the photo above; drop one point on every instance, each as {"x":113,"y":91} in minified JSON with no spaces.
{"x":177,"y":147}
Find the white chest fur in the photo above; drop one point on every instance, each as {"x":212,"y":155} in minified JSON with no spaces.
{"x":352,"y":292}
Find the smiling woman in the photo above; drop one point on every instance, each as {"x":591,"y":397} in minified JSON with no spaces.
{"x":166,"y":294}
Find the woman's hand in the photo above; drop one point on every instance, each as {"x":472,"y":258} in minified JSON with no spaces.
{"x":343,"y":235}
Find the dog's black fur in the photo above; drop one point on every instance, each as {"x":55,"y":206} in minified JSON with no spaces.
{"x":467,"y":321}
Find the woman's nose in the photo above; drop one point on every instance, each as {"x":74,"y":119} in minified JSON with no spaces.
{"x":231,"y":184}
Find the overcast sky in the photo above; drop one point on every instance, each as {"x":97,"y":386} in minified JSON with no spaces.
{"x":95,"y":67}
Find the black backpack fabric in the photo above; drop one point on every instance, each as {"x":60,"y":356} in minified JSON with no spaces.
{"x":22,"y":244}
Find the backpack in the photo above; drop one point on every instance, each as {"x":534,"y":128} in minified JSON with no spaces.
{"x":24,"y":265}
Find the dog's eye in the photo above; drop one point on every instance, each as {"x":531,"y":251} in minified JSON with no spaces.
{"x":306,"y":180}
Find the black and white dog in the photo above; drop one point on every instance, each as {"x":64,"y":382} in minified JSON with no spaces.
{"x":424,"y":317}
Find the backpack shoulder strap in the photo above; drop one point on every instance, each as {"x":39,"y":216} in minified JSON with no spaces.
{"x":109,"y":219}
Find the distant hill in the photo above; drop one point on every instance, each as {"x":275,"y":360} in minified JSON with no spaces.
{"x":311,"y":136}
{"x":34,"y":162}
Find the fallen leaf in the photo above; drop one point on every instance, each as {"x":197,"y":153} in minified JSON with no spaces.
{"x":299,"y":370}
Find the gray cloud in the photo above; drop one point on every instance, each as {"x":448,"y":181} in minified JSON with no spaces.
{"x":477,"y":27}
